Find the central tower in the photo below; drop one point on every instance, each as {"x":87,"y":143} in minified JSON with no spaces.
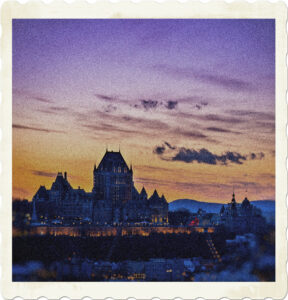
{"x":113,"y":182}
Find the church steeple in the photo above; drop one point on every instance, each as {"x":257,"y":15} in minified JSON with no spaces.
{"x":233,"y":198}
{"x":222,"y":210}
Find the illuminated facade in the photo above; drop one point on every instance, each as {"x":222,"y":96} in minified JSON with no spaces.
{"x":114,"y":200}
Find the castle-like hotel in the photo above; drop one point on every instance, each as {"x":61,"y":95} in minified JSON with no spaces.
{"x":114,"y":200}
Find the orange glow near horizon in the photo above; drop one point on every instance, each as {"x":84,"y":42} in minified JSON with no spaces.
{"x":191,"y":128}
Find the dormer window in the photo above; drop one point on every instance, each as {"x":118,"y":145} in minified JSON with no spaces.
{"x":119,"y":169}
{"x":125,"y":170}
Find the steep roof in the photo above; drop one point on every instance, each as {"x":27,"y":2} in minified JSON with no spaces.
{"x":135,"y":192}
{"x":61,"y":183}
{"x":143,"y":192}
{"x":163,"y":199}
{"x":245,"y":203}
{"x":112,"y":160}
{"x":42,"y":193}
{"x":155,"y":197}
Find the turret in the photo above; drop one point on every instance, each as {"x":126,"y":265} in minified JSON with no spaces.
{"x":163,"y":198}
{"x":155,"y":197}
{"x":245,"y":203}
{"x":233,"y":198}
{"x":143,"y":192}
{"x":222,"y":210}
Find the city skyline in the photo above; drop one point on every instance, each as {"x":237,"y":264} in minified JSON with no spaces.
{"x":191,"y":128}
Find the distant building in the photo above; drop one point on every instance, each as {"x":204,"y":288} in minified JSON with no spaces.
{"x":241,"y":217}
{"x":160,"y":269}
{"x":113,"y":200}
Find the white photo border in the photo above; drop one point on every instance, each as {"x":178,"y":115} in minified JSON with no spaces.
{"x":145,"y":290}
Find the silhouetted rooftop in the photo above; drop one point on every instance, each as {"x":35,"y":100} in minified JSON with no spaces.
{"x":42,"y":192}
{"x":246,"y":202}
{"x":155,"y":197}
{"x":61,"y":183}
{"x":112,"y":160}
{"x":143,"y":192}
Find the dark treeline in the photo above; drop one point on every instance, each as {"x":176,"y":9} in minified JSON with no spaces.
{"x":180,"y":217}
{"x":50,"y":248}
{"x":21,"y":206}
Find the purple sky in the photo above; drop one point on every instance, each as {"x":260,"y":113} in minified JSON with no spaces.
{"x":192,"y":83}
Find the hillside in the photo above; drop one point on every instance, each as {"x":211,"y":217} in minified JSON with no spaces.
{"x":267,"y":206}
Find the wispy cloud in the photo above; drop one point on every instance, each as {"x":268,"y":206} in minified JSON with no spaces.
{"x":42,"y":99}
{"x":24,"y":127}
{"x":254,"y":114}
{"x":103,"y":127}
{"x":105,"y":97}
{"x":110,"y":108}
{"x":169,"y":146}
{"x":190,"y":133}
{"x":149,"y":104}
{"x":220,"y":118}
{"x":19,"y":190}
{"x":217,"y":129}
{"x":224,"y":81}
{"x":141,"y":122}
{"x":55,"y":109}
{"x":171,"y":104}
{"x":222,"y":130}
{"x":32,"y":96}
{"x":43,"y":173}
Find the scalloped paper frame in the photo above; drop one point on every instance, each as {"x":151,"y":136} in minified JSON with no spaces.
{"x":144,"y":290}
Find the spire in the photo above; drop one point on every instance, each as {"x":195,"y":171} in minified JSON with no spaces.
{"x":233,"y":197}
{"x":94,"y":167}
{"x":155,"y":193}
{"x":155,"y":197}
{"x":143,"y":192}
{"x":163,"y":198}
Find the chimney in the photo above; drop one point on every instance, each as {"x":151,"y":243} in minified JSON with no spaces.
{"x":65,"y":175}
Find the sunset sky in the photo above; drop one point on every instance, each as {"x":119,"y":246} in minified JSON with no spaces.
{"x":190,"y":102}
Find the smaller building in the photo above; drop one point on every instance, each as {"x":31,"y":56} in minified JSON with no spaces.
{"x":241,"y":217}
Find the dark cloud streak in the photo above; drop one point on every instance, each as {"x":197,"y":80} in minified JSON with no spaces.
{"x":203,"y":155}
{"x":17,"y":126}
{"x":105,"y":97}
{"x":43,"y":173}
